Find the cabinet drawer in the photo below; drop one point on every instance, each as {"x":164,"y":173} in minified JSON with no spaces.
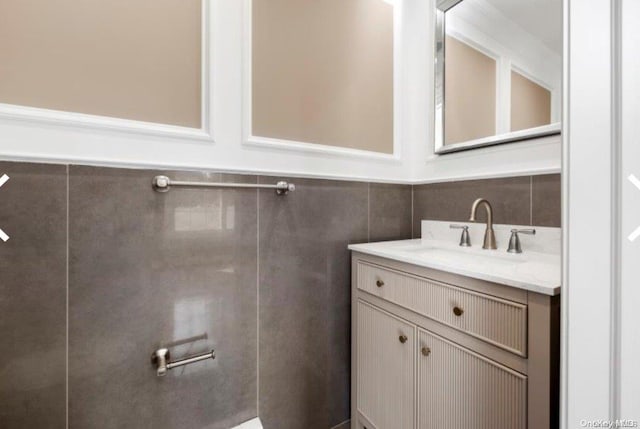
{"x":495,"y":320}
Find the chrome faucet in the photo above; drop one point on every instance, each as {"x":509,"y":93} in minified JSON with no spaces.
{"x":465,"y":241}
{"x":514,"y":241}
{"x":489,"y":236}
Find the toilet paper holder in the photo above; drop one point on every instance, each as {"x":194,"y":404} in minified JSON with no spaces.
{"x":161,"y":360}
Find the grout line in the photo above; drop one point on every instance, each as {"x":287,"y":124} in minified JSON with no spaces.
{"x":531,"y":200}
{"x":412,"y":197}
{"x":258,"y":299}
{"x":67,"y":313}
{"x":369,"y":212}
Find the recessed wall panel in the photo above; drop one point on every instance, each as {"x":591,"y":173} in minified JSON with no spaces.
{"x":530,"y":103}
{"x":131,"y":59}
{"x":470,"y":91}
{"x":322,"y":72}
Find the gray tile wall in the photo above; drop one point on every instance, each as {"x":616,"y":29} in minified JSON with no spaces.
{"x":147,"y":270}
{"x":305,"y":279}
{"x":305,"y":301}
{"x":525,"y":200}
{"x":387,"y":211}
{"x":264,"y":280}
{"x":33,"y":295}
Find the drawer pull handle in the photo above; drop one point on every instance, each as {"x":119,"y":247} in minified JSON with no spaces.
{"x":457,"y":311}
{"x":379,"y":283}
{"x":403,"y":339}
{"x":426,"y":351}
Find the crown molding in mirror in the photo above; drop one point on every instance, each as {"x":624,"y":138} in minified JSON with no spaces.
{"x":249,"y":139}
{"x":204,"y":134}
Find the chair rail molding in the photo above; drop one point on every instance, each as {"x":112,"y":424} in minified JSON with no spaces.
{"x":204,"y":134}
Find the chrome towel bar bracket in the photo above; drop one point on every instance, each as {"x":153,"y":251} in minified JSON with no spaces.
{"x":163,"y":184}
{"x":160,"y":359}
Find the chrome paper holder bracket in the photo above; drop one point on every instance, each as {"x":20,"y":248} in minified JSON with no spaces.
{"x":161,"y":360}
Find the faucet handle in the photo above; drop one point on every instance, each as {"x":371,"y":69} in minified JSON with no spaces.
{"x":530,"y":231}
{"x":514,"y":241}
{"x":465,"y":241}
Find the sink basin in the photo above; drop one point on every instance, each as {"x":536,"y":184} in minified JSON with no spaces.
{"x":461,"y":254}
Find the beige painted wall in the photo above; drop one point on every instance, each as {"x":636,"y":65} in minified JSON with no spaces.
{"x":530,"y":103}
{"x":323,"y":72}
{"x":133,"y":59}
{"x":470,"y":93}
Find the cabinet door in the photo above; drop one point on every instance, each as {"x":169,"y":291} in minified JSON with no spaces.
{"x":459,"y":389}
{"x":385,"y":368}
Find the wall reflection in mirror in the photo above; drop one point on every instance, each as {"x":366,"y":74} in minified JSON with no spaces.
{"x":498,"y":71}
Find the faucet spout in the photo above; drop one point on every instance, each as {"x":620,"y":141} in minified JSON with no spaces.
{"x":489,"y":235}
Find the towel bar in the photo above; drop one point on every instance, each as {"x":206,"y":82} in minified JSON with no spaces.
{"x":163,"y":184}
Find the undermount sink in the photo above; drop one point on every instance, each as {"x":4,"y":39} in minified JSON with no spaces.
{"x":441,"y":252}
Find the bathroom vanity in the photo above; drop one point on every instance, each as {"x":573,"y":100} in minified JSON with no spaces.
{"x":453,"y":337}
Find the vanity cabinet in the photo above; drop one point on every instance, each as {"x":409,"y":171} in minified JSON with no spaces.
{"x":458,"y":388}
{"x":433,"y":349}
{"x":386,"y":367}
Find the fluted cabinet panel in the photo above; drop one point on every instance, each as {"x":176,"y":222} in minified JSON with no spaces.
{"x":497,"y":321}
{"x":386,"y":369}
{"x":459,"y":389}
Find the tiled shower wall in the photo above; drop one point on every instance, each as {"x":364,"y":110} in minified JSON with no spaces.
{"x":100,"y":270}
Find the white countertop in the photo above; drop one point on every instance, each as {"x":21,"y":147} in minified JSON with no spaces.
{"x":533,"y":271}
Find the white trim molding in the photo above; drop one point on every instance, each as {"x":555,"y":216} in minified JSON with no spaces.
{"x":249,"y":139}
{"x":10,"y":112}
{"x":600,"y":348}
{"x":627,"y":294}
{"x":100,"y":123}
{"x":59,"y":137}
{"x":313,"y":148}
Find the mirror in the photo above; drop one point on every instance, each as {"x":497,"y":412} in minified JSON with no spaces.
{"x":498,"y":72}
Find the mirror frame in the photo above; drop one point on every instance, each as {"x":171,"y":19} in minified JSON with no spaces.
{"x":439,"y":99}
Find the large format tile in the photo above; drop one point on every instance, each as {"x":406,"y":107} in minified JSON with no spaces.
{"x":305,"y":293}
{"x":148,"y":269}
{"x":389,"y":212}
{"x":33,"y":205}
{"x":546,"y":200}
{"x":451,"y":201}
